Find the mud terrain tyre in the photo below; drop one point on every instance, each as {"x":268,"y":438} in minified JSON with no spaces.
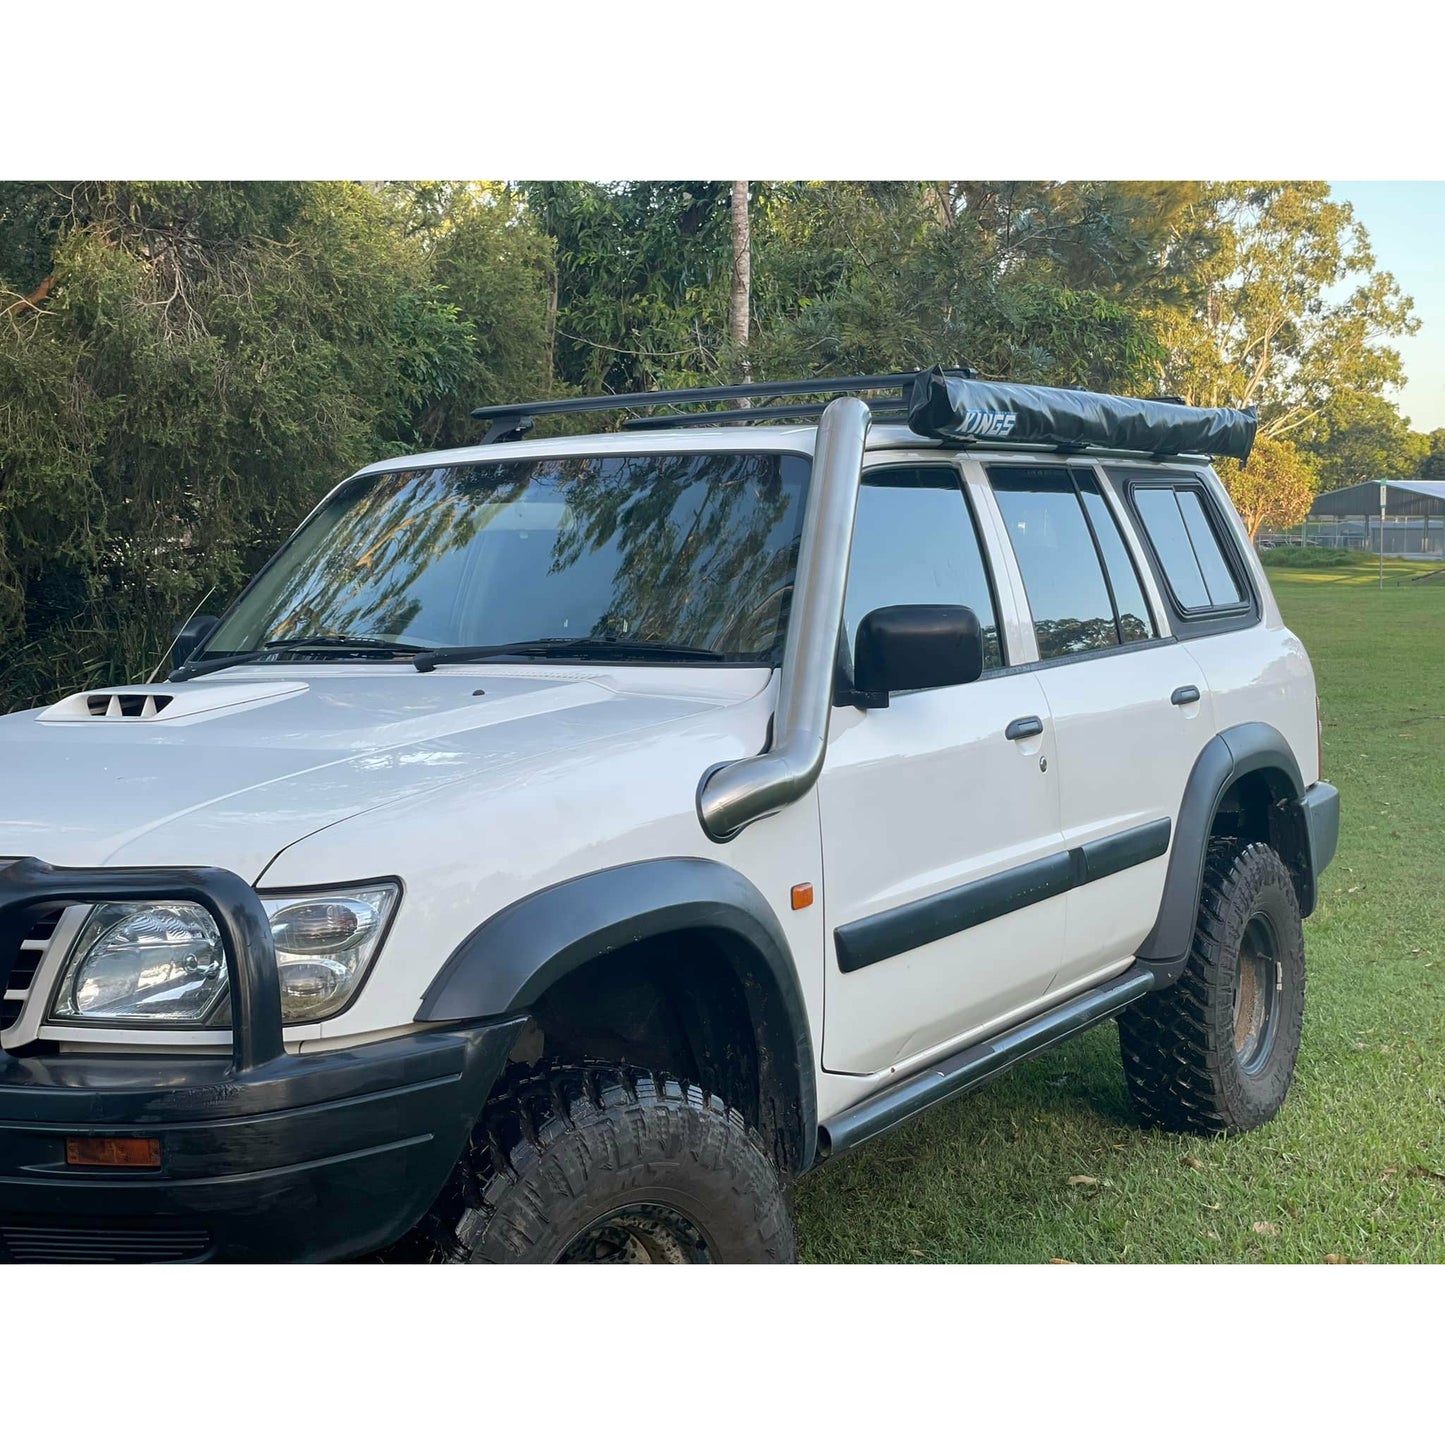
{"x":1216,"y":1051}
{"x":606,"y":1165}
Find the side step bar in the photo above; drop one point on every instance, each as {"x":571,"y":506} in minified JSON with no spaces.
{"x":978,"y":1063}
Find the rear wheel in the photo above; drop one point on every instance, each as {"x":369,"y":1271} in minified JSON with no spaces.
{"x":1217,"y":1050}
{"x":606,"y":1165}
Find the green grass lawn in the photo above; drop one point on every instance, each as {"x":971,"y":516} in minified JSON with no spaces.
{"x":1354,"y":1166}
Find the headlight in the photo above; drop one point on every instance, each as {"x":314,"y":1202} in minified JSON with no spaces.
{"x":164,"y":963}
{"x":160,"y":962}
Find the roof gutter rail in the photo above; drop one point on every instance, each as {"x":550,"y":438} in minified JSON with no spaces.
{"x":732,"y":795}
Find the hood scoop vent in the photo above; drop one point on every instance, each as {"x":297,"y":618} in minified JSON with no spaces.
{"x":128,"y":704}
{"x":179,"y":705}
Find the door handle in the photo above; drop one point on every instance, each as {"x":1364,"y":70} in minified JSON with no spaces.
{"x":1182,"y":696}
{"x":1023,"y":727}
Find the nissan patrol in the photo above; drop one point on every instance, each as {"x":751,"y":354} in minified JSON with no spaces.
{"x":562,"y":844}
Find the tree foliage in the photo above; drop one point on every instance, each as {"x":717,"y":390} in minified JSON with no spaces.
{"x":1359,"y":437}
{"x":1290,"y":307}
{"x":1432,"y":465}
{"x":864,"y":277}
{"x":1273,"y":489}
{"x":186,"y":368}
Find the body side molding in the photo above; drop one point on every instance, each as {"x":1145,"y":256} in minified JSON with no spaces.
{"x":507,"y":963}
{"x":927,"y":920}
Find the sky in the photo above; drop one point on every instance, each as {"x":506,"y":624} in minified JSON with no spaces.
{"x":1406,"y":222}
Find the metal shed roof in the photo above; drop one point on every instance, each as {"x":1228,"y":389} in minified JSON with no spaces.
{"x":1402,"y":499}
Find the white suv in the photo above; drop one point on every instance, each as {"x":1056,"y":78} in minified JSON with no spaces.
{"x":564,"y":843}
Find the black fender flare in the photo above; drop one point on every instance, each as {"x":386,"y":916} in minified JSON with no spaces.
{"x":509,"y":961}
{"x":1227,"y":756}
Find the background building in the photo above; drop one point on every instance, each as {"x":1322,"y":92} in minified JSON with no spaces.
{"x":1414,"y":521}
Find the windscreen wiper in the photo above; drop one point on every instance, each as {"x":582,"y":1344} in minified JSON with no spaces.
{"x":280,"y":646}
{"x":584,"y":647}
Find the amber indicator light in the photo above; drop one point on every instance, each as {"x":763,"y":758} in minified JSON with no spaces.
{"x":802,"y":896}
{"x":114,"y":1153}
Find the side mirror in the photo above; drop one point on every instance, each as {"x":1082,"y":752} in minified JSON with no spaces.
{"x":191,"y":636}
{"x":900,"y":649}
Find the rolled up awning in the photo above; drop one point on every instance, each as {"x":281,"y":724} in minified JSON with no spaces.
{"x":964,"y":409}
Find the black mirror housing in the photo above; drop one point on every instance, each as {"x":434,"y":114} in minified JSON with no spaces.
{"x":190,"y":636}
{"x":914,"y":646}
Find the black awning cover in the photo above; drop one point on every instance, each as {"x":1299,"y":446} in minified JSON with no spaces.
{"x":962,"y":409}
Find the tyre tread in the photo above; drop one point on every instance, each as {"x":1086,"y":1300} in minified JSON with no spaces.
{"x":1177,"y":1051}
{"x":551,"y":1130}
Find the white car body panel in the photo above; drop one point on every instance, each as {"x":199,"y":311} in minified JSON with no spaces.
{"x":1124,"y":754}
{"x":237,"y":788}
{"x":1263,"y":672}
{"x":917,"y":798}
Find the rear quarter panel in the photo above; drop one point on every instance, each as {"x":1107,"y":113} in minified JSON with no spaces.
{"x":1260,"y":673}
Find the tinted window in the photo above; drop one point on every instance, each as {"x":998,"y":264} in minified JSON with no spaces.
{"x":1135,"y":623}
{"x":696,"y":550}
{"x":1159,"y":513}
{"x":1223,"y":589}
{"x":1065,"y":584}
{"x":1187,"y":547}
{"x":914,"y":541}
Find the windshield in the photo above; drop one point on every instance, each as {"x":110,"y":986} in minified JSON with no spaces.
{"x":695,"y":550}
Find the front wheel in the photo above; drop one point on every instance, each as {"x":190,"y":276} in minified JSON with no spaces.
{"x":604,"y":1165}
{"x":1216,"y":1051}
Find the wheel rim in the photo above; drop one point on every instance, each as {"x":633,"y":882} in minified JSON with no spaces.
{"x":639,"y":1234}
{"x":1256,"y":994}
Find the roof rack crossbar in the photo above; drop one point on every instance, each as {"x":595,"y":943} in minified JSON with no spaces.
{"x":642,"y":400}
{"x":889,"y":410}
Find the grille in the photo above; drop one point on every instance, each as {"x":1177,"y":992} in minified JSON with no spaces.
{"x":122,"y":1242}
{"x":23,"y":970}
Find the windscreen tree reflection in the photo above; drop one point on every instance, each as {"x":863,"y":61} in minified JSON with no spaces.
{"x":689,"y":550}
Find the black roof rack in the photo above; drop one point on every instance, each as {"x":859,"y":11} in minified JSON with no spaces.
{"x":943,"y":404}
{"x":744,"y":416}
{"x":515,"y":419}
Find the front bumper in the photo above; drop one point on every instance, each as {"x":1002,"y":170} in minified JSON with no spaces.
{"x":313,"y":1157}
{"x":263,"y":1156}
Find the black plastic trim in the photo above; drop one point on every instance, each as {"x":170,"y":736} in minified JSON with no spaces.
{"x":978,"y":1063}
{"x":1321,"y":805}
{"x":507,"y":963}
{"x":885,"y":935}
{"x":1229,"y":755}
{"x":1106,"y":856}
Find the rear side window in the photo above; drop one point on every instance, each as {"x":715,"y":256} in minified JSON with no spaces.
{"x":915,"y":541}
{"x":1189,"y":550}
{"x":1083,"y":591}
